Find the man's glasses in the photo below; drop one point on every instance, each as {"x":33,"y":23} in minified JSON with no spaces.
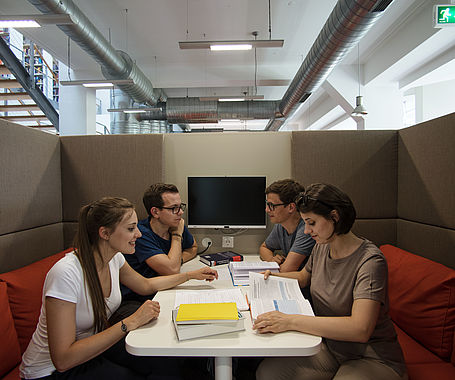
{"x":272,"y":206}
{"x":303,"y":200}
{"x":176,"y":209}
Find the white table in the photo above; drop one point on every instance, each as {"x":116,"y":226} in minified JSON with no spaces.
{"x":158,"y":338}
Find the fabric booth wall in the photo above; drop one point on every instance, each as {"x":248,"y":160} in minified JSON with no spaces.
{"x":30,"y":195}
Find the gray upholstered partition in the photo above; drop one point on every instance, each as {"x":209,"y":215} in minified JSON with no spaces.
{"x":30,"y":195}
{"x":115,"y":165}
{"x":426,"y":189}
{"x":402,"y":182}
{"x":363,"y":164}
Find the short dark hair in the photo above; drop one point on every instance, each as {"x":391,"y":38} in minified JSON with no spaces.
{"x":287,"y":189}
{"x":153,"y":195}
{"x":321,"y":199}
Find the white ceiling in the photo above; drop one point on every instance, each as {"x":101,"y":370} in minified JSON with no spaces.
{"x":149,"y":31}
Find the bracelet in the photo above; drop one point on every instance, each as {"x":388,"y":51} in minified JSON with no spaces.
{"x":180,"y":236}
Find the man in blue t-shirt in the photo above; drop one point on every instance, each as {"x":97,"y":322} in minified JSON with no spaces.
{"x":165,"y":243}
{"x":288,"y":234}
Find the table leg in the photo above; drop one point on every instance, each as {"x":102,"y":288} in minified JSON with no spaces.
{"x":223,"y":368}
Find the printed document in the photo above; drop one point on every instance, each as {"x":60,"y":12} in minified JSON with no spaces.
{"x":211,"y":296}
{"x":240,"y":270}
{"x":276,"y":293}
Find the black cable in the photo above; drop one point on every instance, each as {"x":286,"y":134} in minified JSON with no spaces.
{"x":208,"y":246}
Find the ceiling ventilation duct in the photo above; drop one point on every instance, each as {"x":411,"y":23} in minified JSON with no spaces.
{"x":346,"y":25}
{"x":193,"y":110}
{"x":115,"y":64}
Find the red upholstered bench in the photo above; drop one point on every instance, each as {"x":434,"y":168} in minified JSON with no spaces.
{"x":422,"y":307}
{"x":20,"y":304}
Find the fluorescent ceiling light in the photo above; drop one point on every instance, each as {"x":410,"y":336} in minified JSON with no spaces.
{"x":19,"y":24}
{"x":231,"y":47}
{"x":232,"y":44}
{"x":33,"y":21}
{"x":134,"y":110}
{"x":231,"y":98}
{"x":97,"y":83}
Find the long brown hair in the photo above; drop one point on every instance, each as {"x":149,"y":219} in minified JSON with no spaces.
{"x":106,"y":212}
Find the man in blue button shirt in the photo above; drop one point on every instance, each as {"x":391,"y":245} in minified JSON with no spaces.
{"x":288,"y":235}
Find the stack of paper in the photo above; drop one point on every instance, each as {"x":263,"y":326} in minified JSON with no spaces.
{"x":201,"y":320}
{"x":240,"y":270}
{"x":211,"y":296}
{"x":276,"y":293}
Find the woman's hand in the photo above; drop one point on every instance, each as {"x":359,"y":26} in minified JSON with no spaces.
{"x":267,"y":274}
{"x":273,"y":321}
{"x":148,"y":311}
{"x":206,"y":273}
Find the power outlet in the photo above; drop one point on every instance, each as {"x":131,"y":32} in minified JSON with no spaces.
{"x":206,"y":242}
{"x":228,"y":242}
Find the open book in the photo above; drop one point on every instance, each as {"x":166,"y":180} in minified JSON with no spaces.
{"x":276,"y":293}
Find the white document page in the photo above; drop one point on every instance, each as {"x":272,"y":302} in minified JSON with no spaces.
{"x":255,"y":266}
{"x":223,"y":273}
{"x":212,"y":296}
{"x":240,"y":270}
{"x":276,"y":293}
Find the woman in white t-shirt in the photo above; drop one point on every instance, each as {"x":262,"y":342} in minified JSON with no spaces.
{"x":82,"y":290}
{"x":348,"y":284}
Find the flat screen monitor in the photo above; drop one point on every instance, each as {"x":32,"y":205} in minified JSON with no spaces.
{"x":226,"y":202}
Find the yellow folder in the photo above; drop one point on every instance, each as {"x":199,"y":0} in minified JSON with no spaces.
{"x":207,"y":312}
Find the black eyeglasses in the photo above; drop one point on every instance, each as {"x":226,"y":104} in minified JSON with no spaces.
{"x":272,"y":206}
{"x":303,"y":200}
{"x":176,"y":209}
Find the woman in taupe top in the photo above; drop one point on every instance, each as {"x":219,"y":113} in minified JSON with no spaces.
{"x":348,"y":284}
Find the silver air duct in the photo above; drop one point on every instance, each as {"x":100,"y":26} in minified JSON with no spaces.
{"x":193,"y":110}
{"x":115,"y":64}
{"x":346,"y":25}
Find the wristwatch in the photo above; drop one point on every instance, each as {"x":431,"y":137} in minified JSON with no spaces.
{"x":124,"y":328}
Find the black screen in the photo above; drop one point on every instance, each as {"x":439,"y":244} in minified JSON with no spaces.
{"x":229,"y":202}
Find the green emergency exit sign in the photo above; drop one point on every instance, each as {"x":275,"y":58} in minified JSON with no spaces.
{"x":444,"y":15}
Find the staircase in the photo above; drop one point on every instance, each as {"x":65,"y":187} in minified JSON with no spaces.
{"x":21,"y":100}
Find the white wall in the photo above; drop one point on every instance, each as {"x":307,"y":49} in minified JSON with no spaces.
{"x":436,"y":100}
{"x":229,"y":154}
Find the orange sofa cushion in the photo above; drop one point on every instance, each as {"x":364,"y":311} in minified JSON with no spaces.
{"x":10,"y":351}
{"x":413,"y":352}
{"x":25,"y":287}
{"x":429,"y":371}
{"x":422,"y":299}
